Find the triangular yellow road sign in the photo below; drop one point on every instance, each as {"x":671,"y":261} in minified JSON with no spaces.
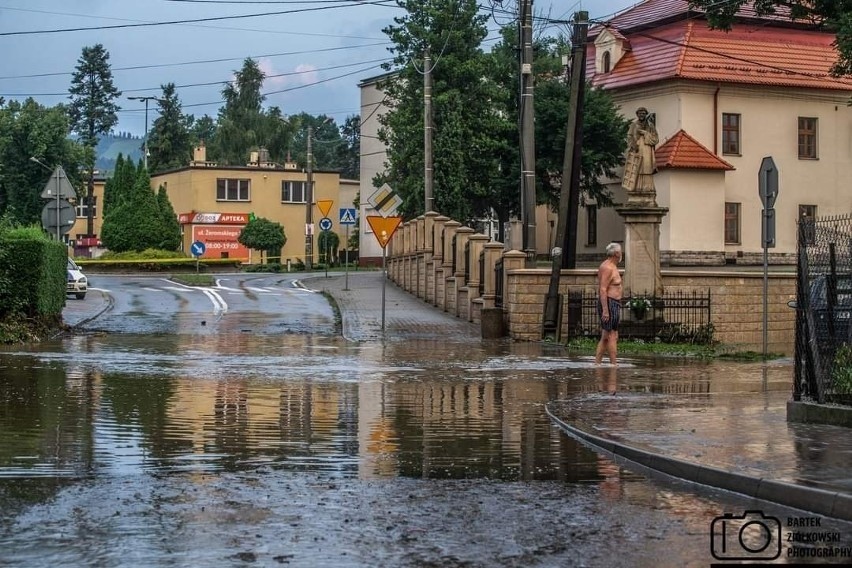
{"x":325,"y":206}
{"x":383,"y":227}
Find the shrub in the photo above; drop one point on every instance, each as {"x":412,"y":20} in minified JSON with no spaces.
{"x":680,"y":333}
{"x":841,"y":372}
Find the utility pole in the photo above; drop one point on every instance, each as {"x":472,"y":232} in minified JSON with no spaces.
{"x":309,"y":198}
{"x":145,"y":142}
{"x":569,"y":196}
{"x":427,"y":132}
{"x":527,"y":132}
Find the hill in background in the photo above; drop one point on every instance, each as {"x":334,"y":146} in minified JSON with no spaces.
{"x":111,"y":145}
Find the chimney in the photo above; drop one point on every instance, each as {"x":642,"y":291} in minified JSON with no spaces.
{"x":290,"y":164}
{"x":262,"y":156}
{"x":253,"y":158}
{"x":199,"y":154}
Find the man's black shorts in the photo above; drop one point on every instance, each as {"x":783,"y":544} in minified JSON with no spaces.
{"x":614,"y":314}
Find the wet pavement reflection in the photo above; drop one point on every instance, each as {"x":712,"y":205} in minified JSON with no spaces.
{"x":290,"y":441}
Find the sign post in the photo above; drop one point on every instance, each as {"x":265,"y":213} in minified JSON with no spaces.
{"x":383,"y":229}
{"x":197,"y":249}
{"x":347,"y":217}
{"x":767,"y":184}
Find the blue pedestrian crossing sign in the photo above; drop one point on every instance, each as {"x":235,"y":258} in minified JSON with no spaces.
{"x":325,"y":224}
{"x":347,"y":216}
{"x":197,"y":248}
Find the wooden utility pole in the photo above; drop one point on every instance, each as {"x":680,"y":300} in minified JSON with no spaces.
{"x":427,"y":132}
{"x":569,"y":196}
{"x":527,"y":132}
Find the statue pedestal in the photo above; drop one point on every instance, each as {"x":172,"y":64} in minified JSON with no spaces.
{"x":642,"y":248}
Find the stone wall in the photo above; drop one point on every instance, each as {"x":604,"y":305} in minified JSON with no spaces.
{"x":736,"y":305}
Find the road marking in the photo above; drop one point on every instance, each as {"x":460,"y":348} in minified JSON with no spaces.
{"x":219,"y":304}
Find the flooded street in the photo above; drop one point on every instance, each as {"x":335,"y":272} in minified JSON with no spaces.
{"x":239,"y":448}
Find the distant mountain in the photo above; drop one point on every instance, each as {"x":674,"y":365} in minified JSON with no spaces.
{"x":111,"y":145}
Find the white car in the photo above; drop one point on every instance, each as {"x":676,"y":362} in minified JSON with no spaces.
{"x":78,"y":284}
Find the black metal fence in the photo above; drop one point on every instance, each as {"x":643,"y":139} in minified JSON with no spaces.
{"x":678,"y":317}
{"x":823,"y":305}
{"x":498,"y":283}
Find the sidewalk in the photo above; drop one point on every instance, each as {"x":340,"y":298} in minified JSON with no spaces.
{"x":741,"y":442}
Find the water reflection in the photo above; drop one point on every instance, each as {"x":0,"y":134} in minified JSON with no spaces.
{"x":117,"y":404}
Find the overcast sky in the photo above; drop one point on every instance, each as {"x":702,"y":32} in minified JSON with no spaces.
{"x":321,"y":49}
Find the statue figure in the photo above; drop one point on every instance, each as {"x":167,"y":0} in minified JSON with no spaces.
{"x":641,"y":164}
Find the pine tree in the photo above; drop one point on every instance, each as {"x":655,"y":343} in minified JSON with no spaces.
{"x":169,"y":141}
{"x":135,"y":223}
{"x":170,"y":236}
{"x":240,"y":120}
{"x":92,"y":110}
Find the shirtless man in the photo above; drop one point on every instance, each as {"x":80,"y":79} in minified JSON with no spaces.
{"x":609,"y":303}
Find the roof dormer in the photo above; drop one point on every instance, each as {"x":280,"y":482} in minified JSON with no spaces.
{"x":610,"y":47}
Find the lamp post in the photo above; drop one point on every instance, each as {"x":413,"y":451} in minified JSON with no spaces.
{"x":145,"y":143}
{"x":42,"y":164}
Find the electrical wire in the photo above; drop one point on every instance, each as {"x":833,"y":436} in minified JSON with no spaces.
{"x":198,"y":20}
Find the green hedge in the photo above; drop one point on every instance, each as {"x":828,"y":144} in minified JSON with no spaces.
{"x":32,"y":274}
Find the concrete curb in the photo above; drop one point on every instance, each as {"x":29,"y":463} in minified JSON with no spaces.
{"x":827,"y":503}
{"x":107,"y":305}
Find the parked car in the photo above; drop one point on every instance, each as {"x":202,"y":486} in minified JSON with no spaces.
{"x":78,"y":284}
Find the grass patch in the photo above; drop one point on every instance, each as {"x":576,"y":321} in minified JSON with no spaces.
{"x":194,"y":279}
{"x":639,"y":347}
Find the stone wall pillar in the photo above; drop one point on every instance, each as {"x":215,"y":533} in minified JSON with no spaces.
{"x":477,"y":242}
{"x":449,"y":281}
{"x":493,"y":252}
{"x":434,"y":288}
{"x":463,"y":235}
{"x":642,"y":249}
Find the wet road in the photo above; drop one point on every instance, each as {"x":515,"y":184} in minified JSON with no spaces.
{"x":183,"y":429}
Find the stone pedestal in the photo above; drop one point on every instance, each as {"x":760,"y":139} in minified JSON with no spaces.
{"x":642,"y":249}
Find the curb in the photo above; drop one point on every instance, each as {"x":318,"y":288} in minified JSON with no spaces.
{"x":107,"y":305}
{"x":827,"y":503}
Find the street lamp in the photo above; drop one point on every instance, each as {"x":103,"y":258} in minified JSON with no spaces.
{"x":146,"y":99}
{"x":42,"y":164}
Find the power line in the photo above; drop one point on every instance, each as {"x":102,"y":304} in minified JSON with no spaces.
{"x":200,"y":61}
{"x":197,"y":20}
{"x":228,"y":28}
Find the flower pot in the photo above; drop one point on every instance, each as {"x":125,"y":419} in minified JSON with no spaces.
{"x":639,"y":313}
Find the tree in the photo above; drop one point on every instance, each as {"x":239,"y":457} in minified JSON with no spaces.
{"x":92,"y":110}
{"x":120,"y":186}
{"x":349,"y":152}
{"x":240,"y":120}
{"x":28,"y":130}
{"x":203,"y":131}
{"x":135,"y":223}
{"x":170,"y":141}
{"x":263,"y":235}
{"x":830,"y":15}
{"x":170,"y":237}
{"x":464,"y":145}
{"x":328,"y":242}
{"x":354,"y":235}
{"x":325,"y":145}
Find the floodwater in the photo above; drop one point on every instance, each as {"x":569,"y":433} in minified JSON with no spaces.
{"x":238,"y":449}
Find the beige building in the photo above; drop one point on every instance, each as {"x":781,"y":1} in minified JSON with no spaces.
{"x":213,"y":204}
{"x":77,"y":237}
{"x":723,"y":102}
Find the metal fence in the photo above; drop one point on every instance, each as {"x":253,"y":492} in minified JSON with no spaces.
{"x":823,"y":305}
{"x":498,"y":283}
{"x":678,"y":317}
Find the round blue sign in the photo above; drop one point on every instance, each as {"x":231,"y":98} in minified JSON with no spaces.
{"x":325,"y":224}
{"x":197,"y":248}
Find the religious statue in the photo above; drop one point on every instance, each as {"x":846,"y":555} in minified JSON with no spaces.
{"x":641,"y":164}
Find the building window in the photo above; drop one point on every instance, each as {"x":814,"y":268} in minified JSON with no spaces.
{"x":83,"y":209}
{"x":606,"y":62}
{"x":293,"y":191}
{"x":807,"y":138}
{"x":731,"y":134}
{"x":732,"y":223}
{"x":807,"y":214}
{"x":232,"y":190}
{"x":591,"y":225}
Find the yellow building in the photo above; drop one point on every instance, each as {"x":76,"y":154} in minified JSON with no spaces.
{"x":214,"y":202}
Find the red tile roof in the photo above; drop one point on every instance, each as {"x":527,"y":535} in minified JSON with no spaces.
{"x":682,"y":151}
{"x":755,"y":55}
{"x":651,"y":11}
